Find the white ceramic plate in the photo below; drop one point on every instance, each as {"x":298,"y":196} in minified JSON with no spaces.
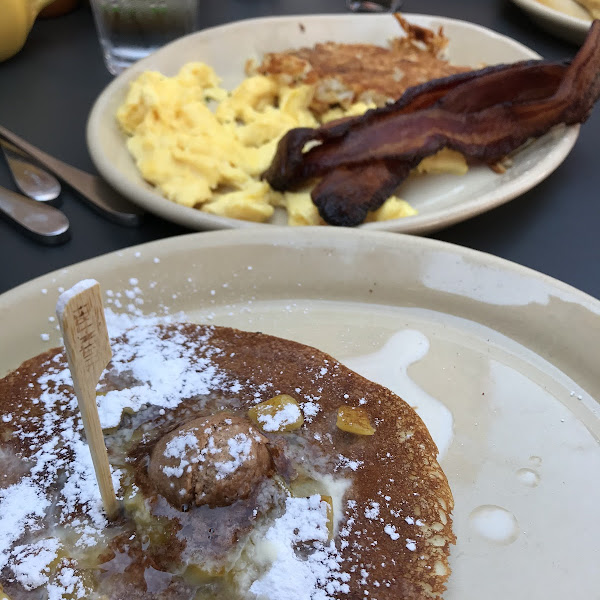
{"x":441,"y":200}
{"x":565,"y":26}
{"x":511,"y":354}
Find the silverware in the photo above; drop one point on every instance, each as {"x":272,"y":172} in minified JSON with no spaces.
{"x":374,"y":5}
{"x":41,"y":221}
{"x":32,"y":180}
{"x":93,"y":189}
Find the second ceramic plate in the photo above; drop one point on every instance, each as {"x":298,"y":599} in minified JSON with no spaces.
{"x":441,"y":200}
{"x":567,"y":20}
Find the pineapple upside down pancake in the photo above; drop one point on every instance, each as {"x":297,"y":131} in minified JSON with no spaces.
{"x":247,"y":466}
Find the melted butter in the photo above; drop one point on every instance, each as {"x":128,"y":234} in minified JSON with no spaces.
{"x":388,"y":367}
{"x":336,"y":487}
{"x":494,"y":524}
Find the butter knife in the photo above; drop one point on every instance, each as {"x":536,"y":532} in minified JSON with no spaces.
{"x":32,"y":180}
{"x":94,"y":190}
{"x":40,"y":221}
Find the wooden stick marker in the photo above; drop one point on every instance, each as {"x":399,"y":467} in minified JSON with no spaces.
{"x":81,"y":318}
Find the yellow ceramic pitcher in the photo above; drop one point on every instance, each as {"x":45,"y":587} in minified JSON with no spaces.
{"x":16,"y":20}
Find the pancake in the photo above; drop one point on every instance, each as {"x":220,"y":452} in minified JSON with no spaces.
{"x":333,"y":514}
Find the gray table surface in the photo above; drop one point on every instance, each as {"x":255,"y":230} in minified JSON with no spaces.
{"x":47,"y":91}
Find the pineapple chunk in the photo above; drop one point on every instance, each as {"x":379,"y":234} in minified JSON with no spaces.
{"x":329,"y":501}
{"x":277,"y":415}
{"x":354,"y":420}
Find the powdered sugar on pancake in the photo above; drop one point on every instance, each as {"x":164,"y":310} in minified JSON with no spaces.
{"x":163,"y":372}
{"x":61,"y":484}
{"x":22,"y":506}
{"x":287,"y":415}
{"x":28,"y":558}
{"x":317,"y":577}
{"x":239,"y":447}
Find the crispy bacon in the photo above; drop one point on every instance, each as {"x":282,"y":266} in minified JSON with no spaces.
{"x":346,"y":195}
{"x":286,"y":170}
{"x":483,"y":114}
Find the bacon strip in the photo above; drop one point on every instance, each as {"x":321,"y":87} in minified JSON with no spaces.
{"x":484,"y":114}
{"x":287,"y":168}
{"x":345,"y":196}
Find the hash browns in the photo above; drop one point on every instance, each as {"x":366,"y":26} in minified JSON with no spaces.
{"x":349,"y":73}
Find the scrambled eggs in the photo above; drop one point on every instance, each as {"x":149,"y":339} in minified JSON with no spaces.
{"x":205,"y":148}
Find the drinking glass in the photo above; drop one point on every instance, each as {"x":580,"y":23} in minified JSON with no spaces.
{"x":131,"y":29}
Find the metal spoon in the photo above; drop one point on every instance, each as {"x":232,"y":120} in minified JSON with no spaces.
{"x":99,"y":195}
{"x":40,"y":221}
{"x":32,"y":180}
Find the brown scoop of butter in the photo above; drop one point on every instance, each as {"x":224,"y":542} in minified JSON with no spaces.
{"x":212,"y":460}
